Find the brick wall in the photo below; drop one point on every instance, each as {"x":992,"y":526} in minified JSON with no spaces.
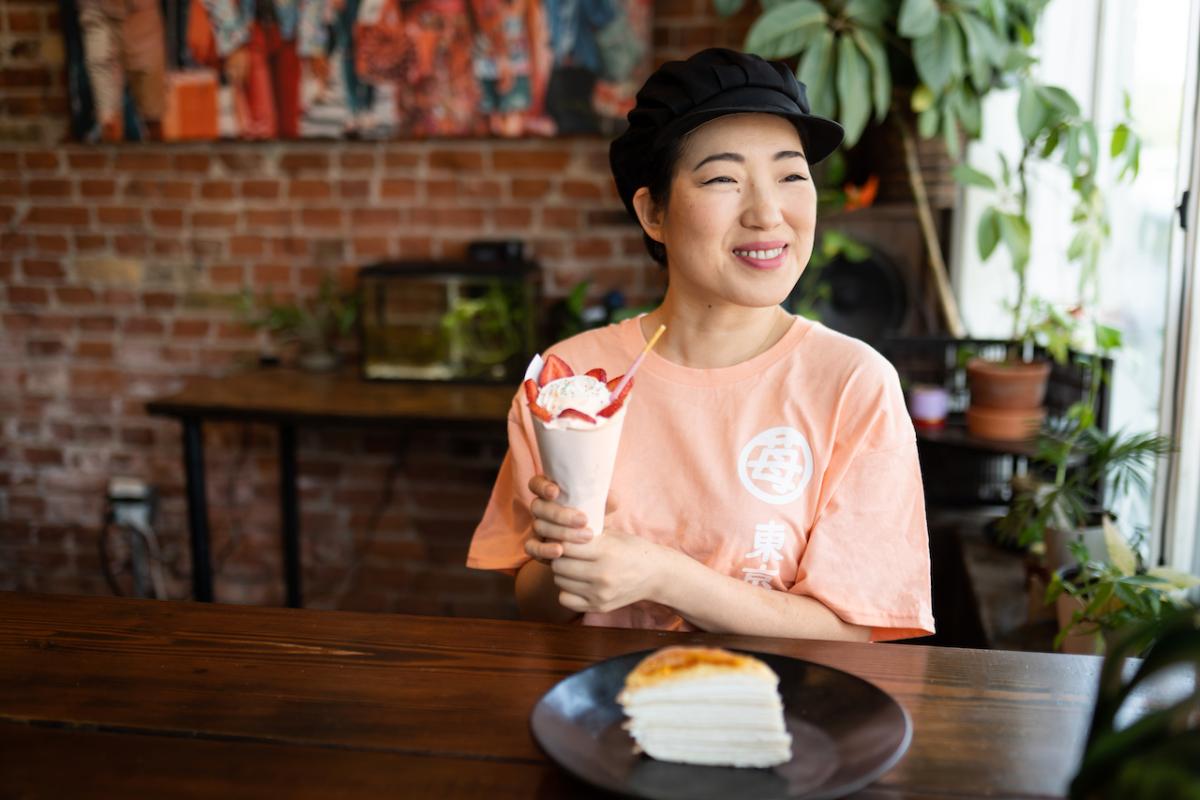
{"x":116,"y":265}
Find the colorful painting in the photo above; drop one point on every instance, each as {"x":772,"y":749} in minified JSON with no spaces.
{"x":145,"y":70}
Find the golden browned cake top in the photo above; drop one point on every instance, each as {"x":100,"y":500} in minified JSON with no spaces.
{"x":671,"y":663}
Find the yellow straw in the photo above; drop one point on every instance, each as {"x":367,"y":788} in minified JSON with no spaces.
{"x":637,"y":362}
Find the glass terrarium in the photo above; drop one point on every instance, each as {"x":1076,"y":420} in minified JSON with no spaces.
{"x":448,"y":321}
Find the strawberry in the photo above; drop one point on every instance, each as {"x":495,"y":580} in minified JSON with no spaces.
{"x":553,"y":369}
{"x":570,"y":412}
{"x":531,"y":390}
{"x":612,"y":385}
{"x":599,"y":374}
{"x":539,"y":412}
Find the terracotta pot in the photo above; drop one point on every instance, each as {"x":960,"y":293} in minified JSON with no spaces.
{"x":1004,"y":424}
{"x":1007,"y":384}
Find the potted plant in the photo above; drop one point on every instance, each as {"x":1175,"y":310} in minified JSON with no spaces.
{"x":314,"y":327}
{"x":1096,"y":598}
{"x":1155,"y":751}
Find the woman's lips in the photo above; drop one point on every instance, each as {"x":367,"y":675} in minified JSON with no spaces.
{"x":759,"y":257}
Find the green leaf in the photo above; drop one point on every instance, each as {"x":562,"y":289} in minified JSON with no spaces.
{"x":854,"y":90}
{"x":970,"y":111}
{"x":727,"y":8}
{"x":1173,"y":577}
{"x":1061,"y":99}
{"x":786,"y":29}
{"x":1120,"y":554}
{"x":1051,"y":142}
{"x":983,"y":48}
{"x":970,"y":176}
{"x":918,"y":18}
{"x":1107,"y":337}
{"x":816,"y":72}
{"x":1120,"y":136}
{"x":872,"y":13}
{"x":950,"y":132}
{"x":928,"y":122}
{"x":1078,"y":243}
{"x":881,"y":77}
{"x":1014,"y":230}
{"x":988,"y":233}
{"x":939,"y":55}
{"x":1031,"y":113}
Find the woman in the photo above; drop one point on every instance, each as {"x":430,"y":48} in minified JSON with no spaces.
{"x":767,"y":481}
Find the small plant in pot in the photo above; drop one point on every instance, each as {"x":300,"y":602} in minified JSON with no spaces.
{"x":1096,"y":598}
{"x":313,"y":328}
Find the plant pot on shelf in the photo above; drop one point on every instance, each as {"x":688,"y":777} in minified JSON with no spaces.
{"x":1006,"y":398}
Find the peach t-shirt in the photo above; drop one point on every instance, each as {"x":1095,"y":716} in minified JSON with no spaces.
{"x":795,"y":471}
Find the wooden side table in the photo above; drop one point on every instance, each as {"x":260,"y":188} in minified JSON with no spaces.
{"x":287,"y":399}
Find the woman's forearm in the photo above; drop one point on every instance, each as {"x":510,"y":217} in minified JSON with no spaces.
{"x":537,"y":596}
{"x":721,"y":604}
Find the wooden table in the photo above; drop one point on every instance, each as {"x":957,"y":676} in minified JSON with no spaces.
{"x":289,"y":398}
{"x":140,"y":698}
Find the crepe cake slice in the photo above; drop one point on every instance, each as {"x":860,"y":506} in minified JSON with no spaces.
{"x":704,"y":705}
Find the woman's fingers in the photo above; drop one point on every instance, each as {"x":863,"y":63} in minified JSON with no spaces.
{"x":573,"y":602}
{"x":559,"y":515}
{"x":543,"y":487}
{"x":561,"y":533}
{"x":545,"y":552}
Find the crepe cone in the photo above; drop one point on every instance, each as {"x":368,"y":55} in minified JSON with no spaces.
{"x":581,"y":463}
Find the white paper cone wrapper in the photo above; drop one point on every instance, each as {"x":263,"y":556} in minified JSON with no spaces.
{"x":581,"y":463}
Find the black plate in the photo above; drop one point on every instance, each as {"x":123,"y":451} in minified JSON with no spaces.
{"x":845,"y":731}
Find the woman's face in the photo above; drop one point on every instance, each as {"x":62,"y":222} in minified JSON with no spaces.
{"x":738,"y":226}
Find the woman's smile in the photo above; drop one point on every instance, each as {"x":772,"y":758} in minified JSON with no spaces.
{"x":762,"y":255}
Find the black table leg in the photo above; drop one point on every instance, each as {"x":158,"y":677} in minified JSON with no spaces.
{"x":197,"y":506}
{"x":290,"y":514}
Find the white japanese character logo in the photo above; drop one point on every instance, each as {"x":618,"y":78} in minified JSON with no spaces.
{"x":768,"y":541}
{"x":776,"y":465}
{"x":760,"y":576}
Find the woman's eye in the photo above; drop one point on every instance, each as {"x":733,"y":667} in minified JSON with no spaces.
{"x":718,"y":179}
{"x":795,"y":177}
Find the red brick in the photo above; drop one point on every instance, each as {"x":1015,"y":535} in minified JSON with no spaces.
{"x":168,"y":246}
{"x":464,"y":187}
{"x":416,"y":247}
{"x":34,"y":268}
{"x":321,"y":217}
{"x":43,"y":456}
{"x":530,"y":187}
{"x":75,"y":295}
{"x":137,"y":435}
{"x":513,"y":217}
{"x":37,"y":348}
{"x":85,"y":160}
{"x":393,"y":188}
{"x":189,"y":328}
{"x":159,"y":301}
{"x":303,"y":162}
{"x":272,"y":218}
{"x":49,"y":187}
{"x":448,"y":217}
{"x":563,"y":218}
{"x":39,"y":160}
{"x":543,"y":159}
{"x":273,"y":274}
{"x":133,"y":160}
{"x":7,"y":214}
{"x":95,"y":380}
{"x":593,"y":248}
{"x":143,"y":326}
{"x":582,"y":190}
{"x":309,"y":190}
{"x":356,"y":160}
{"x":240,"y":246}
{"x":227,"y":275}
{"x":217,"y":190}
{"x":371,"y":246}
{"x":166,"y":217}
{"x":260,"y":190}
{"x":374,"y":218}
{"x":120,"y":215}
{"x":101,"y":351}
{"x":612,"y":217}
{"x":131,"y":244}
{"x":27,"y":295}
{"x":401,"y":160}
{"x":94,"y":187}
{"x":213,"y":219}
{"x":153,"y":189}
{"x":190,"y":162}
{"x":90,"y":242}
{"x":120,"y":298}
{"x":290,"y":246}
{"x":48,"y":244}
{"x":457,"y":160}
{"x":9,"y":161}
{"x":98,"y":323}
{"x":57,"y":215}
{"x":24,"y":21}
{"x":354,"y":190}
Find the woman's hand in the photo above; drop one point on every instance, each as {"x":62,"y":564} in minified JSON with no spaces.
{"x":611,"y":572}
{"x":555,"y":527}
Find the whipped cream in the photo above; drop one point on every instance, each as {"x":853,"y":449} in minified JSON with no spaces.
{"x":580,"y":392}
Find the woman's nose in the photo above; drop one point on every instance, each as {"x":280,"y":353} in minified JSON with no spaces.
{"x":763,"y":209}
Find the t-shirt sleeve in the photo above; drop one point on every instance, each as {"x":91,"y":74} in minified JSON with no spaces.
{"x":499,"y":540}
{"x":867,"y":554}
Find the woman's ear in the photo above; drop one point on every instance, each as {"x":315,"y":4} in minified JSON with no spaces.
{"x":649,"y":214}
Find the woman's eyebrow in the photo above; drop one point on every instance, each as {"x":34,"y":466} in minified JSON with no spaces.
{"x":739,"y":159}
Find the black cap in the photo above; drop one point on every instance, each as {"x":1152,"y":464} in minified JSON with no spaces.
{"x":683,"y":95}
